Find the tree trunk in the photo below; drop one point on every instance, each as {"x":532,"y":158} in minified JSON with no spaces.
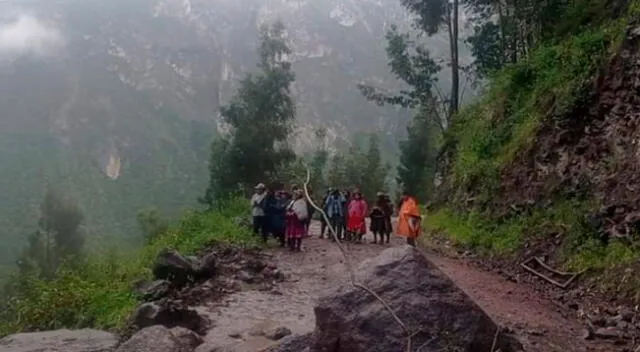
{"x":503,"y":34}
{"x":455,"y":70}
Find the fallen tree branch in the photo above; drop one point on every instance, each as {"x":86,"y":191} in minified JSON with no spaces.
{"x":495,"y":339}
{"x":564,"y":285}
{"x":349,"y":265}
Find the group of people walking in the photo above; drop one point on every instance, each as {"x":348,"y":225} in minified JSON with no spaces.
{"x":287,"y":216}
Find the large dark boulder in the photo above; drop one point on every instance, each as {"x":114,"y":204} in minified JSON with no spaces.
{"x":435,"y":310}
{"x":85,"y":340}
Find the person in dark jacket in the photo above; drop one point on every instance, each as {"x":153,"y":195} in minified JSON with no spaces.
{"x":323,"y":222}
{"x":381,"y":218}
{"x":311,"y":210}
{"x":276,"y":209}
{"x":378,"y":221}
{"x":334,"y":208}
{"x":388,"y":212}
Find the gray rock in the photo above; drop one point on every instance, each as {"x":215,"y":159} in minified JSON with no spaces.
{"x":208,"y":265}
{"x":277,"y":333}
{"x":169,"y":315}
{"x":246,"y":276}
{"x":439,"y":314}
{"x":155,"y":339}
{"x":607,"y":333}
{"x":85,"y":340}
{"x":171,"y":265}
{"x":186,"y":337}
{"x":627,"y":314}
{"x":298,"y":343}
{"x":153,"y":291}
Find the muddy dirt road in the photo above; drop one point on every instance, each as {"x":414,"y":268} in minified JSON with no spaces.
{"x":241,"y":319}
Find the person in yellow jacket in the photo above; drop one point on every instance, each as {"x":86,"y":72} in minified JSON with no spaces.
{"x":409,"y":219}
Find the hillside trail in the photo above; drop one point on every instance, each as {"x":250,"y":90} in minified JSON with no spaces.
{"x":241,"y":319}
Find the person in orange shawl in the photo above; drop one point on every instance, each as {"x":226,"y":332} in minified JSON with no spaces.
{"x":409,"y":219}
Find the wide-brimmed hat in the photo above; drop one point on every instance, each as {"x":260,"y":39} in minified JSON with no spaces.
{"x":260,"y":186}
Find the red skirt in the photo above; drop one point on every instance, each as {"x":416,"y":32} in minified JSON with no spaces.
{"x":356,"y":224}
{"x":295,"y":228}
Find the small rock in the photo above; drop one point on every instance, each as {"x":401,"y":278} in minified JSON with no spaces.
{"x":597,"y":320}
{"x":535,"y":332}
{"x":587,"y":334}
{"x":245,"y":276}
{"x":613,"y":321}
{"x":278,"y":333}
{"x":573,"y":305}
{"x":607,"y":333}
{"x":186,"y":337}
{"x":235,"y":335}
{"x":624,"y":326}
{"x":152,"y":291}
{"x":627,"y":314}
{"x":208,"y":265}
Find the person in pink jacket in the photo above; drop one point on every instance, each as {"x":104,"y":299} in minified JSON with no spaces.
{"x":357,"y":210}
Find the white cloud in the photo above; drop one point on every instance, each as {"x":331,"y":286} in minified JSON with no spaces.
{"x":27,"y":35}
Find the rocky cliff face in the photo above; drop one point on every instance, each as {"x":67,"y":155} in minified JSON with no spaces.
{"x":117,"y":101}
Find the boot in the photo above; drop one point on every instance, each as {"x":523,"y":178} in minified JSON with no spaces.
{"x":282,"y":241}
{"x":388,"y":238}
{"x":375,"y":238}
{"x":298,"y":244}
{"x":291,"y":243}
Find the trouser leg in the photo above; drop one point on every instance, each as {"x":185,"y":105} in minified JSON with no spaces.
{"x":256,"y":225}
{"x":411,"y":241}
{"x":323,"y":228}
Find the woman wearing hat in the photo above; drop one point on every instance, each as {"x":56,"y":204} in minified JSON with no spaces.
{"x":296,"y":216}
{"x":258,"y":201}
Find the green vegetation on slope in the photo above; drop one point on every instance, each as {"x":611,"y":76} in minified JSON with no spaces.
{"x":99,"y":292}
{"x":492,"y":134}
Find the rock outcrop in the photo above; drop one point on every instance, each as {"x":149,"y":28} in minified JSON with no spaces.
{"x":85,"y":340}
{"x":435,"y":311}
